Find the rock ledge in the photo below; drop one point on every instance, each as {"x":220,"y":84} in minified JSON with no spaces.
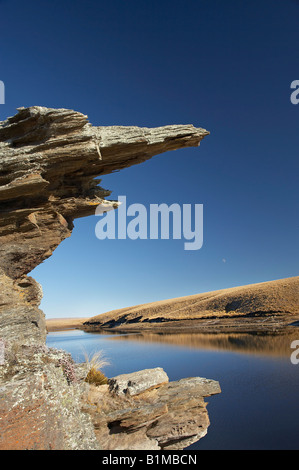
{"x":151,"y":414}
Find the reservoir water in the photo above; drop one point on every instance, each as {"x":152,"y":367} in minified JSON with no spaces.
{"x":258,"y":407}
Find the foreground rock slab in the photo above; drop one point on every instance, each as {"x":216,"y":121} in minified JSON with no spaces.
{"x":168,"y":415}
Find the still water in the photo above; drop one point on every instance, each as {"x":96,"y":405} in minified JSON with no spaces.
{"x":258,"y":407}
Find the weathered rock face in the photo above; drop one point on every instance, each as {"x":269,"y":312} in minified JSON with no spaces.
{"x":163,"y":415}
{"x":40,"y":402}
{"x":49,"y":159}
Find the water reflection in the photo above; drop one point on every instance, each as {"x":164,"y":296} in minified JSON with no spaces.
{"x":258,"y":405}
{"x":275,"y":344}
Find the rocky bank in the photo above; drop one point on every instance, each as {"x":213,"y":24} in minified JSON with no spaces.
{"x":144,"y":411}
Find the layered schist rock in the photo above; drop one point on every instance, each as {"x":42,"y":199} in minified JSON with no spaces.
{"x":49,"y":161}
{"x":144,"y":411}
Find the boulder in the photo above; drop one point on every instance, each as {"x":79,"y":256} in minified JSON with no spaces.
{"x":138,"y":382}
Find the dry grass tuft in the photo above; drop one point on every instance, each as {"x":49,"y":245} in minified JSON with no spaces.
{"x":96,"y":377}
{"x":94,"y":364}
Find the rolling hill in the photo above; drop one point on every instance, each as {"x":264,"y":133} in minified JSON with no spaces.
{"x":263,"y":304}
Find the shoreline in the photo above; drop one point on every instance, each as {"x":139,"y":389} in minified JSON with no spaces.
{"x":62,"y":324}
{"x":220,"y":325}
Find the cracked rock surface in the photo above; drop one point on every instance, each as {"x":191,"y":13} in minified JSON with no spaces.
{"x":163,"y":416}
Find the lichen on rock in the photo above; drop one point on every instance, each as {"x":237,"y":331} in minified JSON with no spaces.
{"x":40,"y":402}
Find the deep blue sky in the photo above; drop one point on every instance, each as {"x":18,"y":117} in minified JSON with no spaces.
{"x":226,"y":66}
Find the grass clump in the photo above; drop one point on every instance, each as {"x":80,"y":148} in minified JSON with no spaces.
{"x":94,"y":365}
{"x":96,"y":377}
